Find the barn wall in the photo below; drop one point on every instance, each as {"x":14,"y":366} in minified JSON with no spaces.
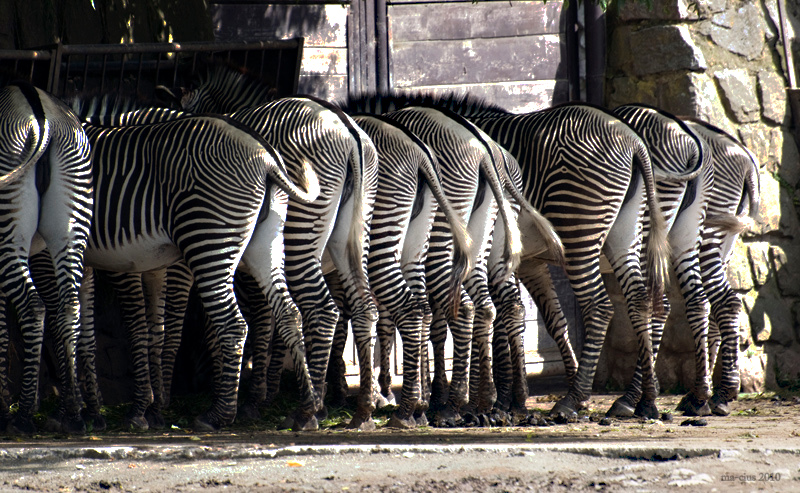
{"x":512,"y":53}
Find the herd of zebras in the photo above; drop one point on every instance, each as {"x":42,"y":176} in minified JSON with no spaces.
{"x":402,"y":212}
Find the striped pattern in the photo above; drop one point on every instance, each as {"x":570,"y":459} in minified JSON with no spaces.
{"x":578,"y":163}
{"x":408,"y":194}
{"x":685,"y":178}
{"x":45,"y":188}
{"x":733,"y":203}
{"x":146,"y":217}
{"x":306,"y":130}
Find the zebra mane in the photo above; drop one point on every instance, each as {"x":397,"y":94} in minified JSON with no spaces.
{"x":462,"y":104}
{"x":230,"y":88}
{"x":113,"y":109}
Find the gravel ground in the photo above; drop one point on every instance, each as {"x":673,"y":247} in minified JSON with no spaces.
{"x":756,"y":448}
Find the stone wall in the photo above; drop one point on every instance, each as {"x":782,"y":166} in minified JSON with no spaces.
{"x":722,"y":61}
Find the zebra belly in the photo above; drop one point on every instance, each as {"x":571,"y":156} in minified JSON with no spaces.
{"x":141,"y":254}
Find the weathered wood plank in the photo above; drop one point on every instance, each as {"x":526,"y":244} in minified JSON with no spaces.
{"x":450,"y":21}
{"x":478,"y":60}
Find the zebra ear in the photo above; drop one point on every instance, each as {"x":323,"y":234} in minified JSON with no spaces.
{"x":167,"y":96}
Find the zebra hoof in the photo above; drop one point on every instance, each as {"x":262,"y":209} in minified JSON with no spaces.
{"x":382,"y":401}
{"x":565,"y":407}
{"x":401,"y":423}
{"x":621,"y":409}
{"x":248,"y":413}
{"x":206,"y":424}
{"x":362,"y":423}
{"x":73,"y":425}
{"x":155,"y":420}
{"x":719,"y":406}
{"x":299,"y":421}
{"x":647,"y":410}
{"x":135,"y":423}
{"x":95,"y":422}
{"x":322,"y":413}
{"x":421,"y":419}
{"x":690,"y":405}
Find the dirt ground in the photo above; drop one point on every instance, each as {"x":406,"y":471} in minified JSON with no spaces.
{"x":756,"y":448}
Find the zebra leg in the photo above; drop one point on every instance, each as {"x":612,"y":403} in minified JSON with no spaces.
{"x":263,"y":259}
{"x":87,"y":351}
{"x":257,"y":313}
{"x":695,"y":403}
{"x":319,"y":314}
{"x":16,"y":284}
{"x":639,"y":312}
{"x":481,"y":386}
{"x":153,"y":284}
{"x":535,"y":276}
{"x":337,"y":388}
{"x":386,"y":331}
{"x":336,"y":361}
{"x":130,"y":294}
{"x":725,"y":307}
{"x":597,"y":311}
{"x":5,"y":344}
{"x":509,"y":349}
{"x":179,"y":282}
{"x":44,"y":276}
{"x":460,"y":327}
{"x":363,"y":320}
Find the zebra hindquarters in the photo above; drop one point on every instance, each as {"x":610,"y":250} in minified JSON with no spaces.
{"x":482,"y":223}
{"x":358,"y":298}
{"x":263,"y":259}
{"x":404,"y":211}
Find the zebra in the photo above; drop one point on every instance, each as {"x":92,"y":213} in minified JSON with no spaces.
{"x":408,"y":193}
{"x":45,"y":202}
{"x":332,"y":232}
{"x":139,"y":227}
{"x":590,"y":174}
{"x":464,"y":154}
{"x":684,"y":190}
{"x":732,"y":209}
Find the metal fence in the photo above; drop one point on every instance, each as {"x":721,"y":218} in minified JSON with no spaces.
{"x":136,"y":69}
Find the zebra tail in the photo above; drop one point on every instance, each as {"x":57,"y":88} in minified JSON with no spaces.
{"x":462,"y":260}
{"x":355,"y":238}
{"x":658,"y":250}
{"x":730,"y":223}
{"x":36,"y":139}
{"x":554,"y":248}
{"x":278,"y":174}
{"x":512,"y":249}
{"x":753,"y":186}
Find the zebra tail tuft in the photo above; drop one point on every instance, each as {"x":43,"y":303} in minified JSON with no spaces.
{"x":310,"y":182}
{"x":730,"y":223}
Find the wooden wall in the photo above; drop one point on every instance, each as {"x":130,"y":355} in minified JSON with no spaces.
{"x":510,"y":52}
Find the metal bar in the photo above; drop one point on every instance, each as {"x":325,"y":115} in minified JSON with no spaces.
{"x":594,"y":20}
{"x":381,"y":47}
{"x":573,"y":51}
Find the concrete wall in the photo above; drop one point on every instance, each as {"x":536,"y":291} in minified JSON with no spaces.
{"x":722,"y":61}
